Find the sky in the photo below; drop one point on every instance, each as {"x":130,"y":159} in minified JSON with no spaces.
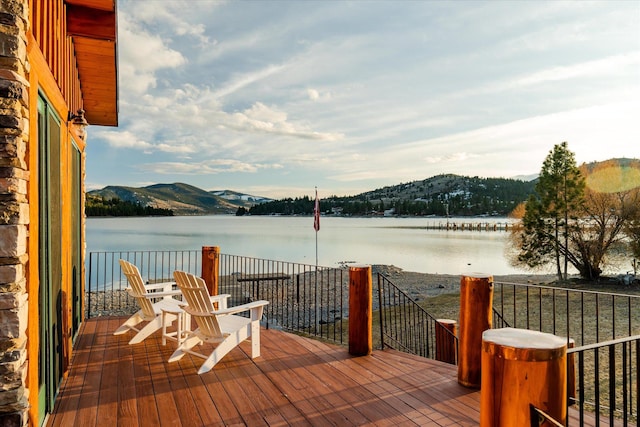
{"x":276,"y":98}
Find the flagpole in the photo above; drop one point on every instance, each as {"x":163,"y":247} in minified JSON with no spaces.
{"x":316,"y":223}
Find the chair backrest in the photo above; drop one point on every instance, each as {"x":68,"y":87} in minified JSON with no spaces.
{"x":195,"y":293}
{"x":138,"y":290}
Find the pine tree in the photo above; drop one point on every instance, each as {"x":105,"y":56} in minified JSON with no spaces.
{"x":550,"y":217}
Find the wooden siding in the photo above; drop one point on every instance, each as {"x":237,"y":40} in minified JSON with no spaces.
{"x":78,"y":41}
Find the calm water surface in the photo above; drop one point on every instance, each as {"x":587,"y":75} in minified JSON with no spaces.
{"x":396,"y":241}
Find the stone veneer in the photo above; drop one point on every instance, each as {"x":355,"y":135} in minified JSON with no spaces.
{"x":14,"y":211}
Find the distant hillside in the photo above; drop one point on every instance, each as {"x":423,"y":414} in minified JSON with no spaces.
{"x":439,"y":195}
{"x":182,"y":199}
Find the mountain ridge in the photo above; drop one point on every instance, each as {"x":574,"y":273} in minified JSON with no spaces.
{"x":181,"y":198}
{"x":186,"y":199}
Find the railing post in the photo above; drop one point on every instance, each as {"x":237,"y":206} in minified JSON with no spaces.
{"x":211,"y":267}
{"x":521,"y":368}
{"x":446,"y":341}
{"x":360,"y":310}
{"x":476,"y":307}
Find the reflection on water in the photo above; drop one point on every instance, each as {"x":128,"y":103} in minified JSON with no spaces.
{"x":396,"y":241}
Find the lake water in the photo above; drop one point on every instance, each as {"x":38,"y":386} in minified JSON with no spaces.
{"x":395,"y":241}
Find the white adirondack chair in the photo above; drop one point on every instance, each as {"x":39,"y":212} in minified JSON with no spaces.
{"x":222,"y":327}
{"x":152,"y":299}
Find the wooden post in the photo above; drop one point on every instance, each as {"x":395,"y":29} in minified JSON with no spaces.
{"x":211,"y":267}
{"x":522,"y":368}
{"x":476,"y":306}
{"x":446,"y":340}
{"x":360,"y":310}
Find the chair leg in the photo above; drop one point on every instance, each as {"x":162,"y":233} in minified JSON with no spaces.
{"x":255,"y":339}
{"x":185,"y":347}
{"x":229,"y":343}
{"x":149,"y":328}
{"x":167,"y":320}
{"x":129,"y":324}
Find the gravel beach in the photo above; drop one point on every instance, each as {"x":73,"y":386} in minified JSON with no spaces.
{"x":418,"y":286}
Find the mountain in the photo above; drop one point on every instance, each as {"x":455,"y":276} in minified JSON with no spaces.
{"x":440,"y":195}
{"x":182,"y":199}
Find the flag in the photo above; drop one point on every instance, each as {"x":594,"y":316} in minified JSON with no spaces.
{"x":316,"y":213}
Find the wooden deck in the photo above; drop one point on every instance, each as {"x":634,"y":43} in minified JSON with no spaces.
{"x":296,"y":381}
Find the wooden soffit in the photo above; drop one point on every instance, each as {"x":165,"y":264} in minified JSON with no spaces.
{"x":93,"y":26}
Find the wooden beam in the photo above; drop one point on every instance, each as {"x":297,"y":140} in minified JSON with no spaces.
{"x":91,"y":23}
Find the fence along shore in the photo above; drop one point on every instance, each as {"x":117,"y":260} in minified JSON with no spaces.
{"x":466,"y":226}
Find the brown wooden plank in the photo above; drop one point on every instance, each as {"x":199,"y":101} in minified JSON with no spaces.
{"x":127,"y":398}
{"x":398,"y":396}
{"x":202,"y":400}
{"x":107,"y":411}
{"x":66,"y":406}
{"x":220,"y":399}
{"x":292,"y":383}
{"x":296,"y":381}
{"x":87,"y":411}
{"x":236,"y":388}
{"x":186,"y":408}
{"x":304,"y":363}
{"x":161,"y":388}
{"x":145,"y":400}
{"x":277,"y":400}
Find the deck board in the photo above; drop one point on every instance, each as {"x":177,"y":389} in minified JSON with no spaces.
{"x":296,"y":381}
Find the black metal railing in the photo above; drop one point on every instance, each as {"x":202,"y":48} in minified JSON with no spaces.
{"x":105,"y":287}
{"x":585,"y":316}
{"x":404,"y":325}
{"x":302,"y":298}
{"x":607,"y":380}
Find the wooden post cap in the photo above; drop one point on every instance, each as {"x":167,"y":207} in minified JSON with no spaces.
{"x":523,"y":345}
{"x":520,"y":369}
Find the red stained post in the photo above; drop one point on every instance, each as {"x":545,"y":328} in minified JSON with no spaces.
{"x":360,"y":310}
{"x":446,"y":340}
{"x":211,"y":267}
{"x":522,"y":368}
{"x":476,"y":306}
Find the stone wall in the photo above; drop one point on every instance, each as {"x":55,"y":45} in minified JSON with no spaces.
{"x":14,"y":211}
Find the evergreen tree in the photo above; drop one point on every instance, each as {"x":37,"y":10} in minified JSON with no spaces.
{"x":551,"y":215}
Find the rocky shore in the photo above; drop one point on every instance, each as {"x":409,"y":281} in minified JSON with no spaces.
{"x":417,"y":285}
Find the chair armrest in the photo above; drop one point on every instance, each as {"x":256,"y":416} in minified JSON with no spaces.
{"x":221,"y":300}
{"x":166,"y":286}
{"x":240,"y":308}
{"x":169,"y":294}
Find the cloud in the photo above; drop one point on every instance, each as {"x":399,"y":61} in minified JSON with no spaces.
{"x":141,"y":55}
{"x":172,"y":17}
{"x":241,"y":81}
{"x":128,"y":140}
{"x":262,"y":119}
{"x":316,"y":95}
{"x":207,"y":167}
